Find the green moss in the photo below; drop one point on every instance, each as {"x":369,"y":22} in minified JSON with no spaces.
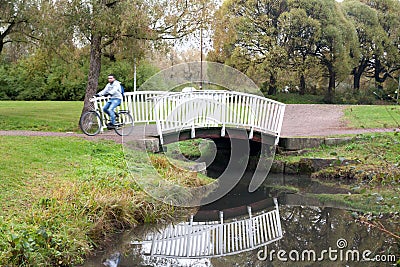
{"x":371,"y":200}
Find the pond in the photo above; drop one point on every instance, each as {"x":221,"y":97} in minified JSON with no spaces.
{"x":313,"y":233}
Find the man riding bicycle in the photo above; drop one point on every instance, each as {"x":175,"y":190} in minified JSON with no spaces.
{"x":113,"y":88}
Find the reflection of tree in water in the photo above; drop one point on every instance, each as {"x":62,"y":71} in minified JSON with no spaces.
{"x":312,"y":228}
{"x":301,"y":224}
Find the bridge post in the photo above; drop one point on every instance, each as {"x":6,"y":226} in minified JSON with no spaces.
{"x":280,"y":122}
{"x":188,"y":235}
{"x":250,"y":227}
{"x":221,"y":233}
{"x":158,"y":122}
{"x":251,"y":134}
{"x":193,"y":131}
{"x":223,"y":114}
{"x":278,"y":217}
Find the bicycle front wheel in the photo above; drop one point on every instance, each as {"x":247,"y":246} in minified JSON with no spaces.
{"x":90,"y":123}
{"x":124,"y":124}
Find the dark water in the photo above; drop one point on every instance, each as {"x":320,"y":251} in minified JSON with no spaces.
{"x":314,"y":234}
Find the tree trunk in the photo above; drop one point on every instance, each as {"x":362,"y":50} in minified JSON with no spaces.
{"x":377,"y":71}
{"x":356,"y":80}
{"x":272,"y":85}
{"x":94,"y":71}
{"x":331,"y":87}
{"x":302,"y":84}
{"x":4,"y":34}
{"x":357,"y":73}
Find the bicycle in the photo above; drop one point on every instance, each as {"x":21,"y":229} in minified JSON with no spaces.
{"x":91,"y":123}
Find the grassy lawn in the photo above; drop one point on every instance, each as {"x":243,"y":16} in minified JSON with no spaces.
{"x":62,"y":197}
{"x":50,"y":116}
{"x":373,"y":116}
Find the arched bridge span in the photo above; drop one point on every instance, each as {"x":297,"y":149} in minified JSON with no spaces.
{"x":204,"y":114}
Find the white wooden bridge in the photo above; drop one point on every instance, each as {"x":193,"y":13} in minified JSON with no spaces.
{"x":189,"y":111}
{"x":195,"y":240}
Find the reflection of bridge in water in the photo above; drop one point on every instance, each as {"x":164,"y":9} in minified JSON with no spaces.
{"x":204,"y":113}
{"x":215,"y":238}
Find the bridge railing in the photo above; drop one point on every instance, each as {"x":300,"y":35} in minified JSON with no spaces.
{"x":216,"y":238}
{"x":140,"y":105}
{"x":173,"y":111}
{"x":191,"y":110}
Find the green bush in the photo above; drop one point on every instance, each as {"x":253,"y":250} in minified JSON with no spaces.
{"x":295,"y":98}
{"x":366,"y":97}
{"x":27,"y":245}
{"x":39,"y":77}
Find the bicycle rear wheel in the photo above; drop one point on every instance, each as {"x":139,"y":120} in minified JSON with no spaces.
{"x":124,"y":124}
{"x":90,"y":123}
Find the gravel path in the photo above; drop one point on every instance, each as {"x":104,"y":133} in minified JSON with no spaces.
{"x":318,"y":120}
{"x":299,"y":120}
